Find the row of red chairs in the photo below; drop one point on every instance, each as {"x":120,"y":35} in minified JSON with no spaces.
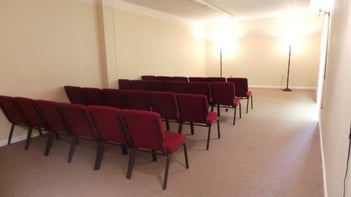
{"x":189,"y":109}
{"x":136,"y":130}
{"x":217,"y":94}
{"x":182,"y":85}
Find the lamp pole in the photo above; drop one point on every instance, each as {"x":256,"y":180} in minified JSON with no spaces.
{"x":220,"y":62}
{"x":288,"y":74}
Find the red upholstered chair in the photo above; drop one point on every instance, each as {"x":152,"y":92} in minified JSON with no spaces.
{"x":201,"y":88}
{"x":11,"y":113}
{"x":138,"y":84}
{"x":164,"y":103}
{"x":124,"y":84}
{"x":216,"y":79}
{"x":242,"y":90}
{"x":177,"y":86}
{"x":163,"y":78}
{"x":223,"y":94}
{"x":156,"y":85}
{"x":111,"y":97}
{"x":179,"y":78}
{"x":193,"y":109}
{"x":75,"y":94}
{"x":25,"y":107}
{"x":92,"y":96}
{"x":198,"y":79}
{"x":77,"y":121}
{"x":148,"y":77}
{"x":134,"y":99}
{"x":48,"y":112}
{"x":107,"y":123}
{"x":145,"y":133}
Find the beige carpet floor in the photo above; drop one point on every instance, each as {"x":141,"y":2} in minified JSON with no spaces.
{"x":273,"y":151}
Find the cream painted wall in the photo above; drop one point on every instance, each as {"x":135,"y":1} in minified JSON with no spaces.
{"x":146,"y":43}
{"x":256,"y":49}
{"x":46,"y":45}
{"x":336,"y":112}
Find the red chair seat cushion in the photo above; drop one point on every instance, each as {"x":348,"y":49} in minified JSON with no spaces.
{"x":172,"y":141}
{"x":212,"y":116}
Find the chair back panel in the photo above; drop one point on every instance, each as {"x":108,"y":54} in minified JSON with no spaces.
{"x":156,"y":85}
{"x":148,"y":77}
{"x":138,"y":84}
{"x":144,"y":129}
{"x":222,"y":93}
{"x":111,"y":97}
{"x":193,"y":107}
{"x":164,"y":103}
{"x":107,"y":123}
{"x":26,"y":108}
{"x":10,"y":111}
{"x":179,"y":78}
{"x":48,"y":112}
{"x":75,"y":94}
{"x":92,"y":95}
{"x":241,"y":86}
{"x":134,"y":99}
{"x":201,"y":88}
{"x":198,"y":79}
{"x":177,"y":86}
{"x":124,"y":84}
{"x":216,"y":79}
{"x":76,"y":119}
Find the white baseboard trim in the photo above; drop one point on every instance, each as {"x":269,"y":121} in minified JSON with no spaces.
{"x":323,"y":161}
{"x":18,"y":139}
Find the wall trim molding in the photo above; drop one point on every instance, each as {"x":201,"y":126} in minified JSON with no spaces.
{"x":18,"y":139}
{"x":279,"y":87}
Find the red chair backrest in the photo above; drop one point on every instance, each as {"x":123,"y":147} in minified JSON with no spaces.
{"x":144,"y":129}
{"x":193,"y":107}
{"x":179,"y":78}
{"x":164,"y":103}
{"x":177,"y":86}
{"x":201,"y":88}
{"x":92,"y":96}
{"x":148,"y":77}
{"x":75,"y":94}
{"x":198,"y":79}
{"x":138,"y":84}
{"x":216,"y":79}
{"x":111,"y":97}
{"x":107,"y":123}
{"x":223,"y":93}
{"x":241,"y":86}
{"x":134,"y":99}
{"x":10,"y":110}
{"x":48,"y":112}
{"x":25,"y":107}
{"x":124,"y":84}
{"x":156,"y":85}
{"x":77,"y":120}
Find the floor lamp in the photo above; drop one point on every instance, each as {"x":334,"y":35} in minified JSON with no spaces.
{"x":220,"y":62}
{"x":288,"y":73}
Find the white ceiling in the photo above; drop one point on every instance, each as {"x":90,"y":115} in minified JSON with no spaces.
{"x":207,"y":9}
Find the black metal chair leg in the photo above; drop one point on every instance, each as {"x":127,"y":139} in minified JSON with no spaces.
{"x":99,"y":155}
{"x":71,"y":149}
{"x":192,"y":128}
{"x":40,"y":133}
{"x":186,"y":156}
{"x":10,"y":135}
{"x":234,"y":115}
{"x":124,"y":149}
{"x":57,"y":136}
{"x":29,"y":135}
{"x":247,"y":104}
{"x":154,"y":156}
{"x":208,"y":137}
{"x":131,"y":163}
{"x":218,"y":129}
{"x":167,"y":124}
{"x":180,"y":127}
{"x":166,"y":172}
{"x":240,"y":110}
{"x":49,"y":143}
{"x":251,"y":102}
{"x":218,"y":110}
